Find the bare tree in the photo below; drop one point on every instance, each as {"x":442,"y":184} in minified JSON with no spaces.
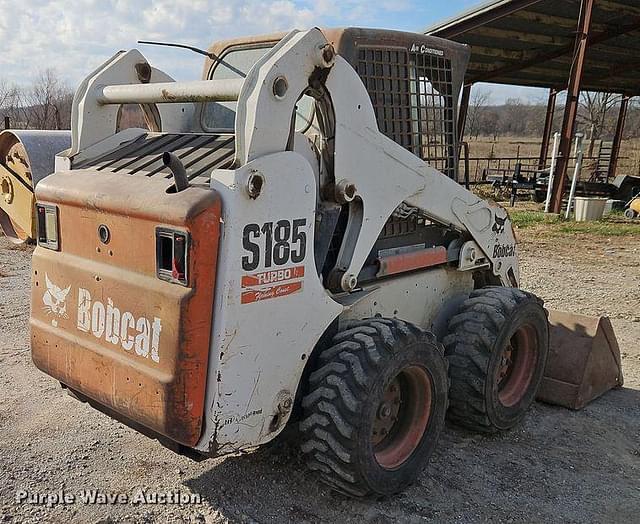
{"x":10,"y":99}
{"x":5,"y":94}
{"x":515,"y":116}
{"x":594,"y":110}
{"x":632,"y":126}
{"x":49,"y":102}
{"x":477,"y":107}
{"x":46,"y":104}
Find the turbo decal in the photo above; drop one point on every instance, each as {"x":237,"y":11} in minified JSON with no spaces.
{"x":273,"y":292}
{"x":271,"y":284}
{"x":271,"y":277}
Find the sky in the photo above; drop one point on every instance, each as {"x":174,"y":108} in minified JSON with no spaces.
{"x":76,"y":36}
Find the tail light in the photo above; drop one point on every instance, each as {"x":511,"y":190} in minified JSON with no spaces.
{"x":172,"y":255}
{"x":48,"y":226}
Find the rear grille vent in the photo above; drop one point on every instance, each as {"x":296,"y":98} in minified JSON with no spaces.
{"x":199,"y":153}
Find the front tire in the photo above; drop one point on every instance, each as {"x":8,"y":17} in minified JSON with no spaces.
{"x":375,"y":407}
{"x":497,"y":350}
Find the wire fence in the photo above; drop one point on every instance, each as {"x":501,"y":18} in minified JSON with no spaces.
{"x":481,"y":169}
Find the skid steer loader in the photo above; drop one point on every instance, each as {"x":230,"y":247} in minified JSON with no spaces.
{"x":286,"y":244}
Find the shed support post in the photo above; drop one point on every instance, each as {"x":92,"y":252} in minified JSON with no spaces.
{"x":615,"y":149}
{"x":571,"y":107}
{"x":464,"y":109}
{"x":548,"y":126}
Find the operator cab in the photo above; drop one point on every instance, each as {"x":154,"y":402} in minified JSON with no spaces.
{"x":414,"y":83}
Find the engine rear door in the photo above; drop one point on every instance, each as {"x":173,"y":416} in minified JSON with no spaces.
{"x":122,"y":301}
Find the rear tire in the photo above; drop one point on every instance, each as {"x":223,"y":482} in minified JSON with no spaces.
{"x":630,"y":213}
{"x":375,"y":407}
{"x":497,"y":349}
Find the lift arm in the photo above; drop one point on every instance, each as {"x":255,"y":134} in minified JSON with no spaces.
{"x":383,"y":173}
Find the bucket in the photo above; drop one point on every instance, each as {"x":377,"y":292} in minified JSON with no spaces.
{"x":589,"y":208}
{"x":584,"y":360}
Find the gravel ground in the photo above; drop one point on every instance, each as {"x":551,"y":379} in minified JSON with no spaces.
{"x":558,"y":466}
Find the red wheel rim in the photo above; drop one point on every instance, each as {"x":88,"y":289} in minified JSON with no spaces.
{"x":517,"y":366}
{"x":402,"y":417}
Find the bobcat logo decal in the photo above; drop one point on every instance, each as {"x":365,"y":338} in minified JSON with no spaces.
{"x":54,"y":299}
{"x":498,"y":225}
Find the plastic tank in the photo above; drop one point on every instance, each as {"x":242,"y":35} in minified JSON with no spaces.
{"x":589,"y":208}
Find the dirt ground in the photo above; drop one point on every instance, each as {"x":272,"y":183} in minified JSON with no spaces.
{"x":558,"y":466}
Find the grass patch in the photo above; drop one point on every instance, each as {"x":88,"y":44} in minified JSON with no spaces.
{"x":524,"y":219}
{"x":610,"y":226}
{"x":602,"y":228}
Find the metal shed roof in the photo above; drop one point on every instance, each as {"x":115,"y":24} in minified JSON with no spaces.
{"x":532,"y":42}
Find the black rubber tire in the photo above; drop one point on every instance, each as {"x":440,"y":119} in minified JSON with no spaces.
{"x":478,"y":334}
{"x":343,"y":398}
{"x":630,"y":213}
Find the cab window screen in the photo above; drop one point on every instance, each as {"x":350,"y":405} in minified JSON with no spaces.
{"x":412,"y":95}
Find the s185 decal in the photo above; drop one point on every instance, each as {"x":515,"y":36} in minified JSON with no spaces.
{"x":274,"y":243}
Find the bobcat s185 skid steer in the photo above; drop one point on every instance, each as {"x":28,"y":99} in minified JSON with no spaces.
{"x":286,"y":243}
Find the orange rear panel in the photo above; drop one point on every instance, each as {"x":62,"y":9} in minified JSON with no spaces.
{"x":102,"y":322}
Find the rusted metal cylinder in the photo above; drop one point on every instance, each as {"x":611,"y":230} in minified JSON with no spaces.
{"x":171,"y":92}
{"x":26,"y":157}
